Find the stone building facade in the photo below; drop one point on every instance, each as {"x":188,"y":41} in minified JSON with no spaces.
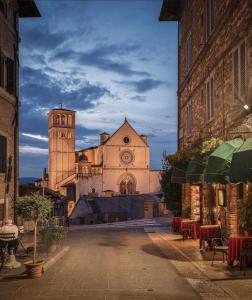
{"x":120,"y":164}
{"x":10,"y":12}
{"x":214,"y":86}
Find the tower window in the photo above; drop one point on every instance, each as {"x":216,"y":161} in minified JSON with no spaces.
{"x":69,"y":120}
{"x":63,"y":120}
{"x":58,"y":119}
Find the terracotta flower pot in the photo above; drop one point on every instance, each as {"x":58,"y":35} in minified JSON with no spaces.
{"x":34,"y":270}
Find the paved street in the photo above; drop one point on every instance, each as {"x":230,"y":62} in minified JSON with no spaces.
{"x":106,"y":264}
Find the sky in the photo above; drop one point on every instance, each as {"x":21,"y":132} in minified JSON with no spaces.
{"x":106,"y":60}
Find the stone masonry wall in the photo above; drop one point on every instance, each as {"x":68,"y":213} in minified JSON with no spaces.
{"x":213,"y":57}
{"x":8,"y":107}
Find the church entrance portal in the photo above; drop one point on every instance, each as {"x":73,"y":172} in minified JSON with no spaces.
{"x":127,"y":185}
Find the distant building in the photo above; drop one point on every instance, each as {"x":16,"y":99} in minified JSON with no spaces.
{"x":10,"y":12}
{"x":118,"y":208}
{"x":119,"y":165}
{"x":214,"y":91}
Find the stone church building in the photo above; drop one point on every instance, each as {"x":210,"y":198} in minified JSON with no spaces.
{"x":119,"y":165}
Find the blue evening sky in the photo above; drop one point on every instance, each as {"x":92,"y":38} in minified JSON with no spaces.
{"x":106,"y":60}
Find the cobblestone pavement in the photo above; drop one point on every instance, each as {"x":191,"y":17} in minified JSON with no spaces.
{"x":207,"y":288}
{"x":107,"y":265}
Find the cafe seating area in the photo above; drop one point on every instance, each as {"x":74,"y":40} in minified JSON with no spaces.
{"x":212,"y":244}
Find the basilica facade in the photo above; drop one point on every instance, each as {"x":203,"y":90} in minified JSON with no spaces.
{"x":119,"y":165}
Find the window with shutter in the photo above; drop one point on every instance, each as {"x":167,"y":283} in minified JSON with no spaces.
{"x":189,"y":118}
{"x":188,"y":53}
{"x":10,"y":76}
{"x":3,"y":154}
{"x":209,"y":17}
{"x":1,"y":70}
{"x":210,"y":98}
{"x":236,"y":74}
{"x":239,"y":74}
{"x":3,"y":7}
{"x":242,"y":71}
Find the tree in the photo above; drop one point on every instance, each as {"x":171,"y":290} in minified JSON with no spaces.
{"x":35,"y":208}
{"x":172,"y":191}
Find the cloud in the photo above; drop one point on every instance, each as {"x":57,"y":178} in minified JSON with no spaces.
{"x":77,"y":61}
{"x":101,"y":58}
{"x":35,"y":136}
{"x":44,"y":40}
{"x":143,"y":85}
{"x":32,"y":150}
{"x":48,"y":91}
{"x":138,"y":98}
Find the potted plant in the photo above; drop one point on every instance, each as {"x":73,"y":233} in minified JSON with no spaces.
{"x":187,"y":212}
{"x":37,"y":209}
{"x":52,"y":234}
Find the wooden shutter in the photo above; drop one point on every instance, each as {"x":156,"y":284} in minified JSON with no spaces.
{"x":212,"y":97}
{"x":208,"y":100}
{"x":209,"y":17}
{"x":3,"y":154}
{"x":1,"y":70}
{"x":10,"y":76}
{"x":2,"y":7}
{"x":242,"y":71}
{"x":188,"y":53}
{"x":235,"y":74}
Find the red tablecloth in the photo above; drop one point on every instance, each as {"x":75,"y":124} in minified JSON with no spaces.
{"x":208,"y":232}
{"x":193,"y":225}
{"x":176,"y":222}
{"x":235,"y":245}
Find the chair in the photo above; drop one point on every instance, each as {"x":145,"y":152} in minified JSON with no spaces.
{"x":7,"y":241}
{"x":246,"y":253}
{"x":219,"y":245}
{"x":186,"y":232}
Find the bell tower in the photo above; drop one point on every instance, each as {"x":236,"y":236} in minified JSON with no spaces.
{"x":61,"y":133}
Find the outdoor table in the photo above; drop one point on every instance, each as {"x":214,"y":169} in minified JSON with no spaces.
{"x":235,"y":246}
{"x":208,"y":232}
{"x":190,"y":224}
{"x":176,"y":223}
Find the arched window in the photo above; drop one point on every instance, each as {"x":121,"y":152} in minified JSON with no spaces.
{"x":70,"y":120}
{"x":58,"y":119}
{"x":63,"y":120}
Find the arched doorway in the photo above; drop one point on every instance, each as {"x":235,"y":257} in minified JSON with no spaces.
{"x":123,"y":188}
{"x":127,"y":184}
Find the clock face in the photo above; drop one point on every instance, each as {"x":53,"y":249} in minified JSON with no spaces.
{"x":127,"y":157}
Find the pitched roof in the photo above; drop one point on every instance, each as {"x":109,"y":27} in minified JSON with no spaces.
{"x":125,"y":122}
{"x":89,"y":148}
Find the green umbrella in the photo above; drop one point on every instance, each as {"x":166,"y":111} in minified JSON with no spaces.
{"x":242,"y":163}
{"x":218,"y":166}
